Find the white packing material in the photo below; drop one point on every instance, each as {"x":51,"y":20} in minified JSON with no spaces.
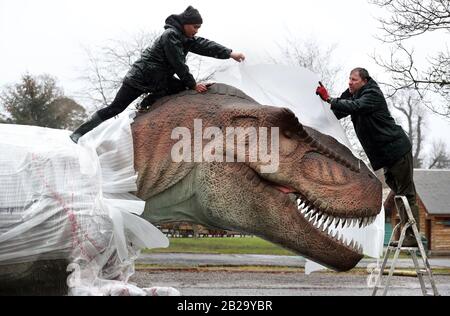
{"x":294,"y":88}
{"x":59,"y":200}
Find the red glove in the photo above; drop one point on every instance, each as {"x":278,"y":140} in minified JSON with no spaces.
{"x":322,"y":92}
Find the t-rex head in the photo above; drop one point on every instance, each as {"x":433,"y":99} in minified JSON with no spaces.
{"x":318,"y":184}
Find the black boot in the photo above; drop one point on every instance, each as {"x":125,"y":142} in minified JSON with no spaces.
{"x":88,"y":126}
{"x":145,"y":105}
{"x":410,"y":239}
{"x":393,"y":243}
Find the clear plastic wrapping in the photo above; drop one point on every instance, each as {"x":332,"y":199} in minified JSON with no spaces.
{"x":59,"y":200}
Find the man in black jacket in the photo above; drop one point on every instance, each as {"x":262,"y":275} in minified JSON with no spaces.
{"x":385,"y":143}
{"x":154,"y":72}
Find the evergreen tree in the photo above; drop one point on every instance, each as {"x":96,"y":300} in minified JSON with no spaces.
{"x":39,"y":101}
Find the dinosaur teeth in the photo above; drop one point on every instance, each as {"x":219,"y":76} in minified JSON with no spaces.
{"x":329,"y":221}
{"x":320,"y":215}
{"x":337,"y":222}
{"x":317,"y":224}
{"x":365,"y":221}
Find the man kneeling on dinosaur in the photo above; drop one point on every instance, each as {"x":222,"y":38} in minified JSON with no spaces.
{"x":154,"y":72}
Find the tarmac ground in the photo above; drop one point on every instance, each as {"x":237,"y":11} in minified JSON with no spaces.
{"x":256,"y":275}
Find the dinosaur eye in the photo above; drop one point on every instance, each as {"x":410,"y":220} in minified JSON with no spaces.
{"x":287,"y":145}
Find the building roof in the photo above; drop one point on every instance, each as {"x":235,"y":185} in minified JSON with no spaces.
{"x":433,"y":187}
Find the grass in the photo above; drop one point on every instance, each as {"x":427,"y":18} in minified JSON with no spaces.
{"x":230,"y":245}
{"x":206,"y":268}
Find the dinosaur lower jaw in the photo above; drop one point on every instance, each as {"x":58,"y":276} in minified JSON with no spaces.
{"x":326,"y":224}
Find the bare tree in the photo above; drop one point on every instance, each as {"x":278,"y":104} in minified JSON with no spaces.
{"x":313,"y":56}
{"x":409,"y":19}
{"x":439,"y":157}
{"x":319,"y":59}
{"x":409,"y":104}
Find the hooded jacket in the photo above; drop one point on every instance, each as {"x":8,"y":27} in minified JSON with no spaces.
{"x":167,"y":57}
{"x":383,"y":140}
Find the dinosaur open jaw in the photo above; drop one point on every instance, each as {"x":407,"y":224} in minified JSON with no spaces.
{"x":325,"y":223}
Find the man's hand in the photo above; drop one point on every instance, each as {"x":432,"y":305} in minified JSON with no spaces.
{"x":200,"y":88}
{"x":322,"y":92}
{"x":237,"y":56}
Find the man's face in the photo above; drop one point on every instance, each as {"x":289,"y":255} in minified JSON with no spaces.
{"x":355,"y":82}
{"x":191,"y":29}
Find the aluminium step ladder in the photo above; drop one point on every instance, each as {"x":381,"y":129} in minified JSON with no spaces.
{"x":421,"y":272}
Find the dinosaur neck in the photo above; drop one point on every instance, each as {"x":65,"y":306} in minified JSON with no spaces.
{"x":179,"y":203}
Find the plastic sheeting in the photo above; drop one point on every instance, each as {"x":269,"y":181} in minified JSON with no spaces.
{"x":294,"y":88}
{"x":63,"y":201}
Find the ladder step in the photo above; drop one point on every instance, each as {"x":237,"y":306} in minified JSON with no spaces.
{"x":415,"y":252}
{"x":404,"y":248}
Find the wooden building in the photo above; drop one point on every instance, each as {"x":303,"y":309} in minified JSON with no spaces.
{"x":189,"y":230}
{"x":433,"y":190}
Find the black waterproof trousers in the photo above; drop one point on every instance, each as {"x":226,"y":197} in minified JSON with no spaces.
{"x":127,"y":94}
{"x":399,"y":178}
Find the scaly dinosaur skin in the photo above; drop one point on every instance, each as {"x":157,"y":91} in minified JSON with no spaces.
{"x":317,"y":175}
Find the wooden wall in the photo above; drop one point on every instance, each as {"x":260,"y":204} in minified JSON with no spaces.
{"x":437,"y":233}
{"x":440,"y":235}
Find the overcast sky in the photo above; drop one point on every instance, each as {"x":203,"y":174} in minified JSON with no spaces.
{"x":49,"y":36}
